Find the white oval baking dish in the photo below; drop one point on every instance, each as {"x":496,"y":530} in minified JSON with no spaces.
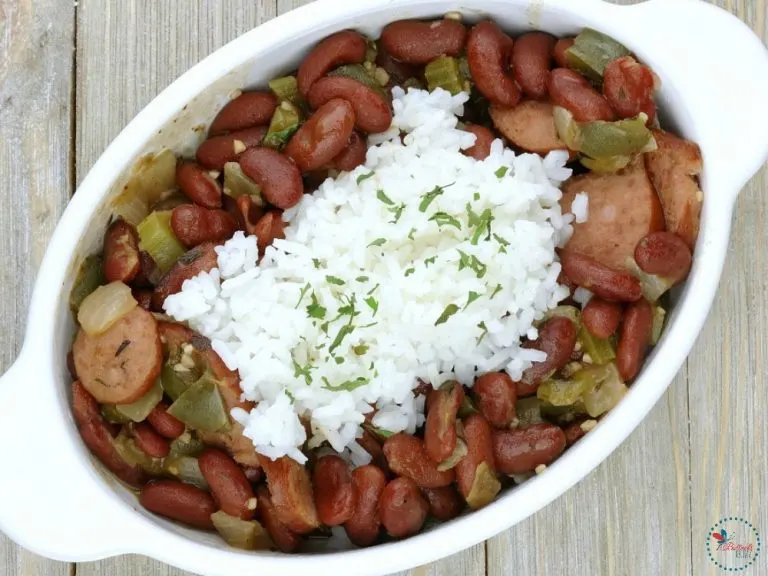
{"x":56,"y":501}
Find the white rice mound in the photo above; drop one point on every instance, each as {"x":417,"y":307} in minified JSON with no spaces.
{"x":343,"y":317}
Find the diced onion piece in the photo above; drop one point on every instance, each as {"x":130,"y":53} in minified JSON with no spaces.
{"x":243,"y":534}
{"x":607,"y":394}
{"x":130,"y":207}
{"x":153,"y":176}
{"x":607,"y":164}
{"x":600,"y":350}
{"x":236,"y":183}
{"x":139,"y":410}
{"x":659,"y":314}
{"x":528,"y":411}
{"x":157,"y":238}
{"x":105,"y":306}
{"x":571,"y":312}
{"x":89,"y":277}
{"x":459,"y":451}
{"x":653,"y":287}
{"x":567,"y":128}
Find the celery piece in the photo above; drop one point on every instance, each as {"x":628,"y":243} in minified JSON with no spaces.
{"x":134,"y":456}
{"x":485,"y":487}
{"x":153,"y":175}
{"x":606,"y":165}
{"x":652,"y":286}
{"x":591,"y":52}
{"x":170,"y":202}
{"x":201,"y":406}
{"x":243,"y":534}
{"x":467,"y":408}
{"x":571,"y":312}
{"x":131,"y":207}
{"x":111,"y":415}
{"x":157,"y":238}
{"x":528,"y":411}
{"x":561,"y":392}
{"x":568,"y":130}
{"x":659,"y":314}
{"x":285,"y":121}
{"x":459,"y":451}
{"x":286,"y":89}
{"x":371,"y":50}
{"x":360,"y":73}
{"x":186,"y":445}
{"x":602,"y":139}
{"x":139,"y":410}
{"x":236,"y":183}
{"x":444,"y":72}
{"x":599,"y":350}
{"x":89,"y":277}
{"x":186,"y":469}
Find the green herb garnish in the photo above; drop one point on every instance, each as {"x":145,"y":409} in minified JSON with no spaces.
{"x":482,"y":326}
{"x":335,"y":280}
{"x":378,"y":242}
{"x":373,"y":304}
{"x":501,"y":172}
{"x":314,"y":310}
{"x":430,"y":260}
{"x":316,"y":263}
{"x":302,"y":294}
{"x":384,"y":198}
{"x":364,"y":177}
{"x":397,"y":211}
{"x":449,"y":311}
{"x":409,"y":271}
{"x":347,"y":385}
{"x":471,"y":297}
{"x":426,"y":199}
{"x":471,"y":262}
{"x":361,"y":279}
{"x":443,"y":219}
{"x":302,"y":371}
{"x":495,"y":291}
{"x":360,"y":349}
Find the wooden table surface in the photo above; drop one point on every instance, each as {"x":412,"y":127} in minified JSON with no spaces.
{"x":72,"y":74}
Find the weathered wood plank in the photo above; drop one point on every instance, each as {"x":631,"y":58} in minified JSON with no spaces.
{"x":127,"y":52}
{"x":35,"y":159}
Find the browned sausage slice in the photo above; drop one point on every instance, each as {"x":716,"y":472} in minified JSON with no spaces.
{"x":673,"y":169}
{"x":530,"y":125}
{"x":120,"y":365}
{"x":623,"y":209}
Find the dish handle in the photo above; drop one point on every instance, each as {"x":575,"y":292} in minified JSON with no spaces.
{"x":51,"y":500}
{"x":719,"y":69}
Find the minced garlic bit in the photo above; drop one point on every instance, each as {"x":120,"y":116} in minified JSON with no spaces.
{"x":235,"y":94}
{"x":173,"y":470}
{"x":187,"y":348}
{"x":587,"y":425}
{"x":455,"y":15}
{"x":540,"y":468}
{"x":587,"y":359}
{"x":577,"y":346}
{"x":515,"y":423}
{"x":187,"y":361}
{"x":251,"y":504}
{"x":214,"y":174}
{"x":180,"y":368}
{"x":239,"y":146}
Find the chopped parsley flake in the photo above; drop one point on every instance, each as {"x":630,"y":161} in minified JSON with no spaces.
{"x":378,"y":242}
{"x":501,"y":172}
{"x":335,"y":280}
{"x":444,"y":219}
{"x":362,"y":279}
{"x":430,"y":260}
{"x":476,"y":196}
{"x":364,"y":177}
{"x":481,"y":223}
{"x":409,"y":271}
{"x":373,"y":304}
{"x":495,"y":291}
{"x":302,"y":371}
{"x":314,"y":310}
{"x":471,"y":262}
{"x":347,"y":385}
{"x":471,"y":297}
{"x":411,"y":233}
{"x":426,"y":199}
{"x":302,"y":294}
{"x":502,"y":243}
{"x":397,"y":211}
{"x":343,"y":332}
{"x":449,"y":311}
{"x":316,"y":263}
{"x":483,"y":333}
{"x":384,"y":198}
{"x":360,"y":349}
{"x":372,"y":290}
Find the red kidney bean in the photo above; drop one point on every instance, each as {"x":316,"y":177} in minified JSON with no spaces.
{"x":97,"y":435}
{"x":165,"y":424}
{"x":346,"y":47}
{"x":371,"y":110}
{"x":440,"y":427}
{"x":523,"y":449}
{"x":253,"y":473}
{"x":269,"y":228}
{"x":121,"y":252}
{"x":601,"y":318}
{"x":217,"y":151}
{"x":193,"y":225}
{"x":198,"y":185}
{"x":407,"y":457}
{"x":149,"y":441}
{"x":444,"y":503}
{"x":363,"y":526}
{"x":148,"y":274}
{"x":531,"y":61}
{"x":418,"y":42}
{"x":574,"y":432}
{"x":664,"y":254}
{"x":496,"y":398}
{"x":488,"y":53}
{"x":178,"y":501}
{"x":334,"y":496}
{"x":202,"y":258}
{"x":485,"y":137}
{"x":559,"y":51}
{"x":279,"y":178}
{"x":143,"y":296}
{"x":633,"y":340}
{"x":71,"y":365}
{"x":353,"y":155}
{"x":291,"y":492}
{"x":563,"y":279}
{"x":557,"y":337}
{"x":608,"y":284}
{"x":323,"y":136}
{"x":247,"y":110}
{"x":476,"y":472}
{"x":402,"y":508}
{"x":628,"y":86}
{"x":285,"y":540}
{"x":229,"y":486}
{"x":372,"y":445}
{"x":570,"y":90}
{"x":398,"y":71}
{"x":85,"y":408}
{"x":248,"y":213}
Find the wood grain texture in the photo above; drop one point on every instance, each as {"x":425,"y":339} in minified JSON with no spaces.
{"x":700,"y":455}
{"x":36,"y":40}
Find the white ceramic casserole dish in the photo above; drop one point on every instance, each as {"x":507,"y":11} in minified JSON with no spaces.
{"x":57,"y":501}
